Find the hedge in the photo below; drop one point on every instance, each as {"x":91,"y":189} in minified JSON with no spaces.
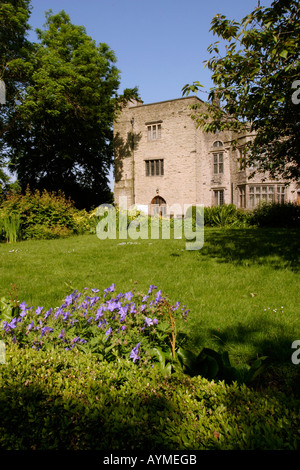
{"x":52,"y":400}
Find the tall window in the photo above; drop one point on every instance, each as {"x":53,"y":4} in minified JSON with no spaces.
{"x":242,"y":196}
{"x":218,"y":197}
{"x":280,"y":194}
{"x":218,"y":163}
{"x":154,"y":167}
{"x":242,"y":159}
{"x":218,"y":158}
{"x":154,"y":131}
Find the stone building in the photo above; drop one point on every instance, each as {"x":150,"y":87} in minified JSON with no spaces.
{"x":163,"y":161}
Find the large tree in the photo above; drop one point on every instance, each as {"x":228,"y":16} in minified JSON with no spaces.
{"x":14,"y":65}
{"x":62,"y":137}
{"x":256,"y":84}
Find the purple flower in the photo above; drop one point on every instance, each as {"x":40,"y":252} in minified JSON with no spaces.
{"x":58,"y":312}
{"x":134,"y":355}
{"x":47,"y":314}
{"x":145,"y":298}
{"x":143,"y":307}
{"x":155,"y":321}
{"x":128,"y":295}
{"x":114,"y":305}
{"x":176,"y":306}
{"x":95,"y":290}
{"x":151,"y":288}
{"x":99,"y":312}
{"x":108,"y":332}
{"x":75,"y":340}
{"x":23,"y":306}
{"x":132,"y":308}
{"x":66,"y":315}
{"x":12,"y":325}
{"x":123,"y":327}
{"x":23,"y":313}
{"x":68,"y":299}
{"x":93,"y":300}
{"x":62,"y":333}
{"x":158,"y":297}
{"x":148,"y":321}
{"x":45,"y":329}
{"x":30,"y":326}
{"x":109,"y":289}
{"x":123,"y":312}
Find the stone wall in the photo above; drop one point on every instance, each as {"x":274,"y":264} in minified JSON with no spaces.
{"x":187,"y":154}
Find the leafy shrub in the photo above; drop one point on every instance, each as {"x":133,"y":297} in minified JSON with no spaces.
{"x":10,"y":227}
{"x":134,"y":222}
{"x":54,"y":400}
{"x":145,"y":328}
{"x":118,"y":325}
{"x":276,"y":215}
{"x":226,"y":215}
{"x":41,"y":215}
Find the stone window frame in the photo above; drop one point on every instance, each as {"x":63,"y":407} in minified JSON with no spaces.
{"x":154,"y":130}
{"x":242,"y":200}
{"x":154,"y":167}
{"x":218,"y":158}
{"x":218,"y":196}
{"x":264,"y":192}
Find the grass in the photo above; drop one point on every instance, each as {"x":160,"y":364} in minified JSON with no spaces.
{"x":242,"y":287}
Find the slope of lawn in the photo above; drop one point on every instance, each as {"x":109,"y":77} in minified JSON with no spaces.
{"x":242,"y":287}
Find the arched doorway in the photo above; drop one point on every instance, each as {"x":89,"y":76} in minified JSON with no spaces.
{"x":158,"y":206}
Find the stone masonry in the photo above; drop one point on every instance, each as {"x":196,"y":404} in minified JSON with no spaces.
{"x":163,"y":160}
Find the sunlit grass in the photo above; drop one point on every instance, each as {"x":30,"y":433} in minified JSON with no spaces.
{"x":242,"y":288}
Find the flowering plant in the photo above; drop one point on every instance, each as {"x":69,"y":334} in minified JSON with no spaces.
{"x":113,"y":325}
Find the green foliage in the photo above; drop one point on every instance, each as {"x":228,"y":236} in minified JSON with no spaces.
{"x":10,"y":227}
{"x":60,"y":134}
{"x":276,"y":215}
{"x":40,"y":216}
{"x":226,"y":215}
{"x":7,"y":310}
{"x":71,"y":401}
{"x":14,"y":49}
{"x":254,"y":80}
{"x":213,"y":366}
{"x":145,"y":328}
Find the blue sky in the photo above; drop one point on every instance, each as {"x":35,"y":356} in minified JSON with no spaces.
{"x":160,"y":45}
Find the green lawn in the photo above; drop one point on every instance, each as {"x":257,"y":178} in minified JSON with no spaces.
{"x":242,"y":287}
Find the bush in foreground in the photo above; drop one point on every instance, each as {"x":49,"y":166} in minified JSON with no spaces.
{"x":66,"y":400}
{"x":143,"y":327}
{"x":74,"y":379}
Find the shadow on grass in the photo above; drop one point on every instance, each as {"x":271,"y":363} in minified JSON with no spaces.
{"x":261,"y":336}
{"x":258,"y":339}
{"x":279,"y":248}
